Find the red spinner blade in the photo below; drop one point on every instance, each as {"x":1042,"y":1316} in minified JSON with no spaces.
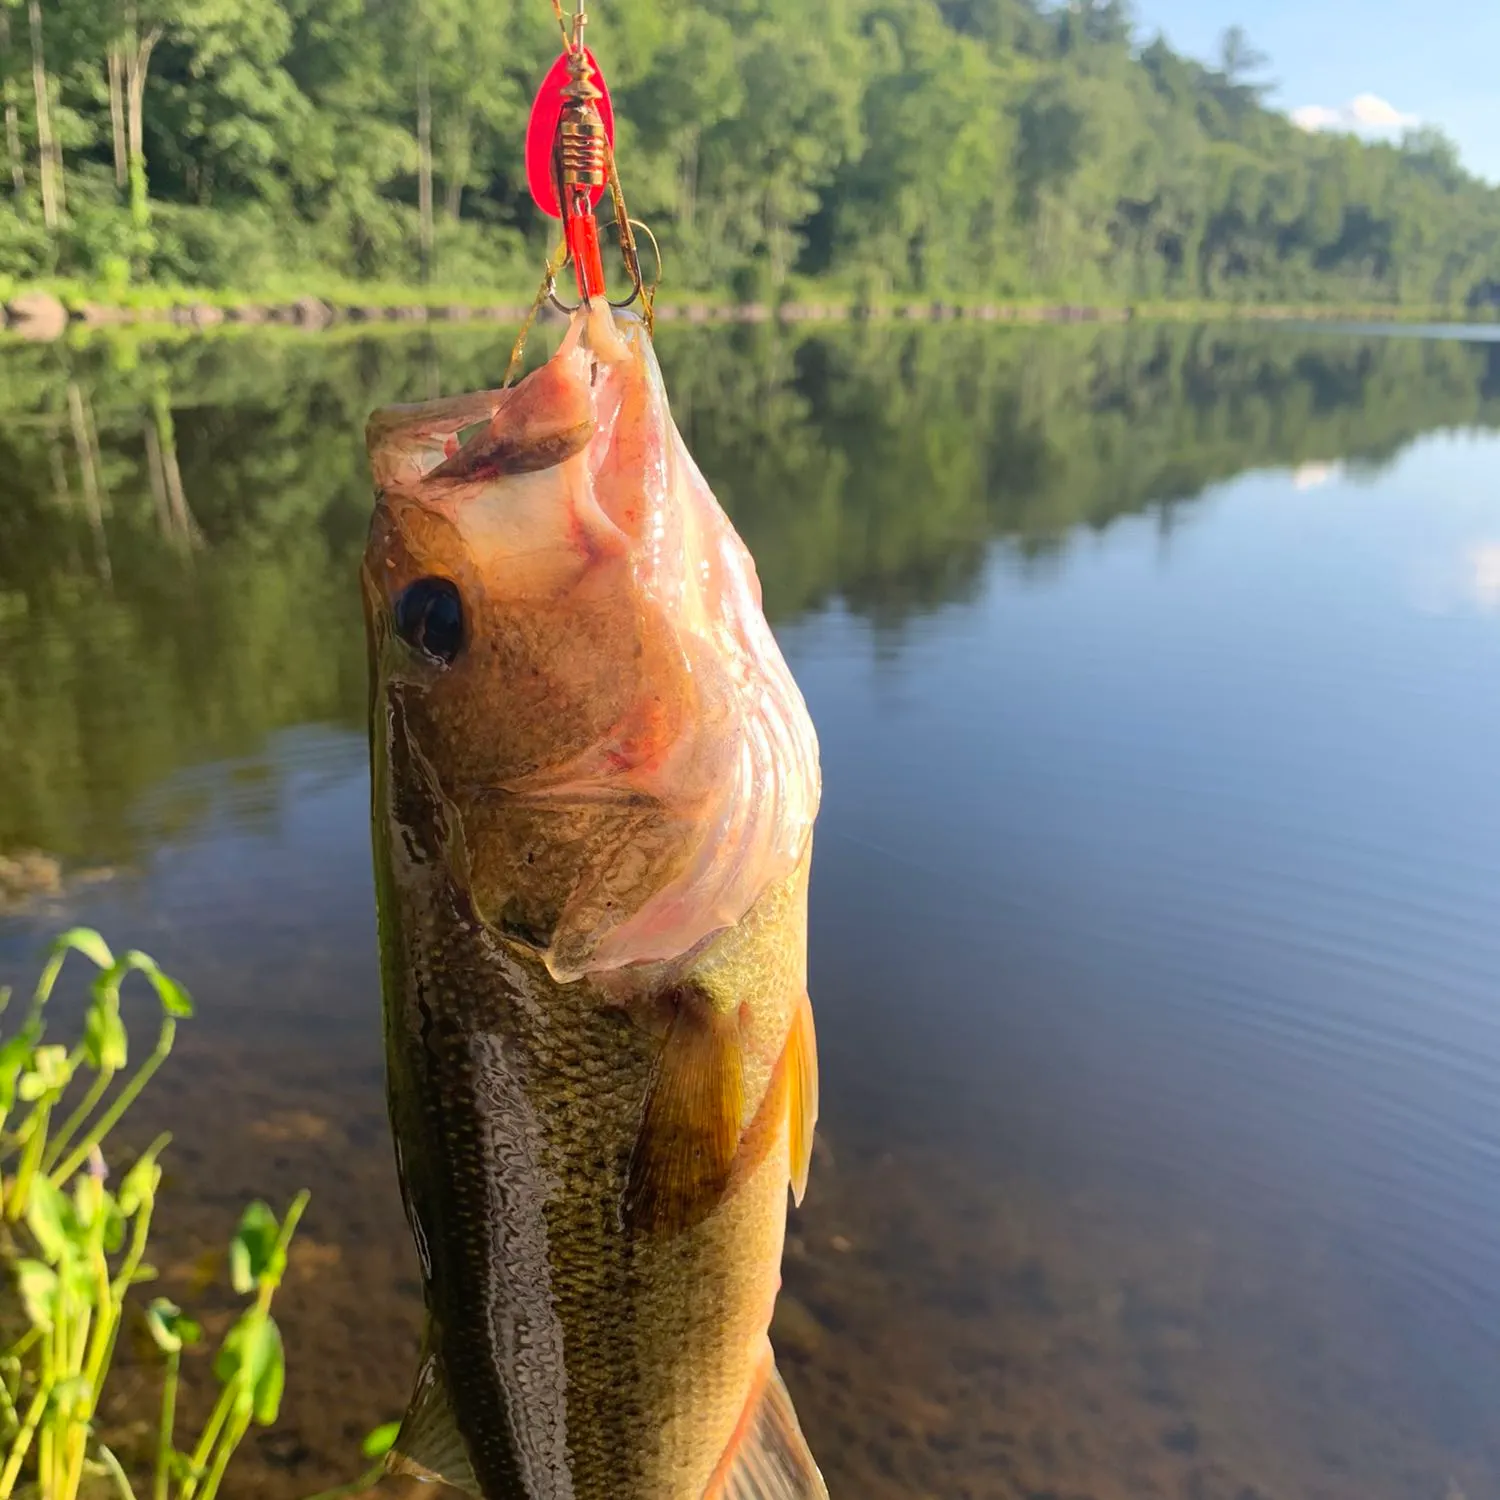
{"x":542,"y":131}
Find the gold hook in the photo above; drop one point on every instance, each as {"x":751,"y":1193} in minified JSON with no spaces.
{"x":639,"y":290}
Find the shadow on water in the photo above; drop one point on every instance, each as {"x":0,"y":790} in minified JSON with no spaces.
{"x":1114,"y":1200}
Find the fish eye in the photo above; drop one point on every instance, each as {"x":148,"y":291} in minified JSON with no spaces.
{"x":430,"y":617}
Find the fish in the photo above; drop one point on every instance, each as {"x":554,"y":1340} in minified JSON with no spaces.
{"x":593,"y":789}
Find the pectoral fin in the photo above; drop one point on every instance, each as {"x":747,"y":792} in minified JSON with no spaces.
{"x":429,"y":1446}
{"x":767,"y":1458}
{"x":802,"y":1095}
{"x":690,"y":1127}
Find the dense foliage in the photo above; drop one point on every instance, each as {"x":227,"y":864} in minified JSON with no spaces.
{"x":994,"y":148}
{"x":183,"y":521}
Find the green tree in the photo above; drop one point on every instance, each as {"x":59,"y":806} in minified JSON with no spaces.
{"x":938,"y":148}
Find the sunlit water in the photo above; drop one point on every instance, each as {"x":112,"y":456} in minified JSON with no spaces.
{"x":1155,"y":951}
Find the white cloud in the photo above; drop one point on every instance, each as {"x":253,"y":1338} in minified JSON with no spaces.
{"x":1484,"y":566}
{"x":1365,"y":114}
{"x":1454,"y":586}
{"x":1311,"y":476}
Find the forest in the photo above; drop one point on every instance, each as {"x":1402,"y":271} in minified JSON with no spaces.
{"x":956,"y":149}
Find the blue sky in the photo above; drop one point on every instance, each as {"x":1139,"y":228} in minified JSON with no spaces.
{"x":1439,"y":62}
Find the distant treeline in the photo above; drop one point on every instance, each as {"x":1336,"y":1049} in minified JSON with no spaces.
{"x":954,"y":148}
{"x":182,"y":524}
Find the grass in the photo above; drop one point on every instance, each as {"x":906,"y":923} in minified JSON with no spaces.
{"x":75,"y":1251}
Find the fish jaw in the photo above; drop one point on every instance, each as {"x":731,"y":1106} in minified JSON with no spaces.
{"x":625,"y":757}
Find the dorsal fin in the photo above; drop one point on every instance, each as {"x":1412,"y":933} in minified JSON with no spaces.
{"x":429,"y":1446}
{"x":767,"y":1458}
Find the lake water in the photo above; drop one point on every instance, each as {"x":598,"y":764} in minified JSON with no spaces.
{"x":1155,"y":946}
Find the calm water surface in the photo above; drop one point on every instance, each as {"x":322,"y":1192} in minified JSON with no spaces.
{"x":1154,"y":947}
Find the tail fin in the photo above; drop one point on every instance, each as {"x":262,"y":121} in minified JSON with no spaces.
{"x":767,"y":1458}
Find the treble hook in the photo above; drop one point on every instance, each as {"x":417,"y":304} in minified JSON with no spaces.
{"x":638,"y":289}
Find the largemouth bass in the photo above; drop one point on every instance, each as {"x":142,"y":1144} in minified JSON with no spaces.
{"x":594,"y":785}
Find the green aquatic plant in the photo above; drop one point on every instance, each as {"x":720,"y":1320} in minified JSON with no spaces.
{"x":74,"y":1251}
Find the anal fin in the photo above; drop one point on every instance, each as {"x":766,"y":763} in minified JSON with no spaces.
{"x":690,"y":1126}
{"x":802,"y":1095}
{"x":429,"y":1446}
{"x":767,"y":1458}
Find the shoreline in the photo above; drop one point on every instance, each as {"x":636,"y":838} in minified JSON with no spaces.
{"x":42,"y":315}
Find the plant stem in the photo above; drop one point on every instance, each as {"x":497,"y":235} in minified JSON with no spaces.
{"x":91,"y":1361}
{"x":123,"y":1100}
{"x":49,"y":1454}
{"x":24,"y":1343}
{"x":168,"y":1423}
{"x":122,"y":1482}
{"x":217,"y":1439}
{"x":295,"y":1210}
{"x":86,"y":1107}
{"x":31,"y":1156}
{"x":12,"y":1469}
{"x":229,"y":1440}
{"x":139,"y":1231}
{"x":8,"y":1413}
{"x":43,"y":991}
{"x":44,"y":1445}
{"x":206,"y":1440}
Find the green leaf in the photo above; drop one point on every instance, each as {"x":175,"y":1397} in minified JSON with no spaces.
{"x":175,"y":1000}
{"x":104,"y":1039}
{"x":51,"y":1220}
{"x":37,"y":1285}
{"x":230,"y":1360}
{"x":170,"y":1328}
{"x":380,"y":1441}
{"x":114,"y":1224}
{"x":138,"y":1189}
{"x":270,"y":1373}
{"x":86,"y":941}
{"x":253,"y":1247}
{"x":48,"y":1074}
{"x":88,"y":1199}
{"x":78,"y":1281}
{"x":15,"y":1055}
{"x":252,"y":1360}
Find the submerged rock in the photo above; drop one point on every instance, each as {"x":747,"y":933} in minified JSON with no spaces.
{"x":27,"y":875}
